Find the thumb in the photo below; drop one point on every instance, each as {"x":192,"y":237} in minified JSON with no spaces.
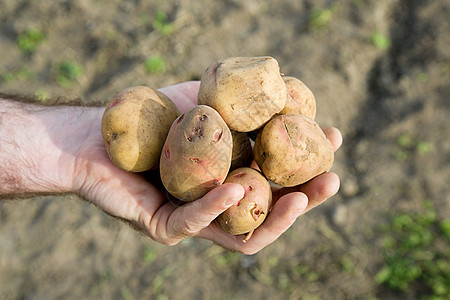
{"x":192,"y":217}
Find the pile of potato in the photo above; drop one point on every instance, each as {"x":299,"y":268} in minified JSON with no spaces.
{"x":209,"y":144}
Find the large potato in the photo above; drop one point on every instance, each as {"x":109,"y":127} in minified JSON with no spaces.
{"x":246,"y":91}
{"x":134,"y":127}
{"x":197,"y":154}
{"x":252,"y":209}
{"x":292,"y":149}
{"x":300,"y":99}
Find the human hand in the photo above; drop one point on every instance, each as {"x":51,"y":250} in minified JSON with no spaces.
{"x":141,"y":201}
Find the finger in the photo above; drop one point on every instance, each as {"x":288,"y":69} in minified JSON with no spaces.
{"x":282,"y":216}
{"x":320,"y":189}
{"x":334,"y":136}
{"x":284,"y":213}
{"x":192,"y":217}
{"x":184,"y":94}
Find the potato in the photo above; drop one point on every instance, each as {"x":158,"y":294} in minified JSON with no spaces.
{"x":300,"y":99}
{"x":292,"y":149}
{"x":134,"y":127}
{"x":242,"y":150}
{"x":252,"y":209}
{"x":196,"y":156}
{"x":245,"y":91}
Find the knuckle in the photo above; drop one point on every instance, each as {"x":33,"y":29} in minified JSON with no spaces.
{"x":171,"y":242}
{"x":185,"y":229}
{"x":167,"y":241}
{"x":189,"y":228}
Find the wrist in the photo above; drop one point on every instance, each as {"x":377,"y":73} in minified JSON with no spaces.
{"x":38,"y":146}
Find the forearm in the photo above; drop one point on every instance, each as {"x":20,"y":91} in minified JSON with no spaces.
{"x":38,"y":146}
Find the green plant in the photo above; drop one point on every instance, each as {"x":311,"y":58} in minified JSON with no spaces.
{"x":66,"y":72}
{"x":158,"y":282}
{"x":103,"y":281}
{"x":29,"y":40}
{"x":380,"y":41}
{"x":407,"y":145}
{"x":21,"y":74}
{"x":359,"y":3}
{"x":226,"y":258}
{"x":347,"y":264}
{"x":161,"y":24}
{"x":319,"y":18}
{"x":42,"y":95}
{"x":155,"y":64}
{"x":126,"y":293}
{"x":415,"y":249}
{"x":307,"y":273}
{"x":149,"y":255}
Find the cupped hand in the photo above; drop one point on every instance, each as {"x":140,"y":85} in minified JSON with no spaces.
{"x":142,"y":202}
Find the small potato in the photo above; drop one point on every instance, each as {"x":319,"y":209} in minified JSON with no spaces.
{"x":252,"y":209}
{"x":197,"y":154}
{"x":245,"y":91}
{"x":242,"y":150}
{"x":292,"y":149}
{"x":300,"y":99}
{"x":134,"y":127}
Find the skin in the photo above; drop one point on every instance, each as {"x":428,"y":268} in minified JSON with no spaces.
{"x":246,"y":91}
{"x":252,"y":209}
{"x":300,"y":99}
{"x":196,"y":155}
{"x":48,"y":150}
{"x":134,"y":127}
{"x":292,"y":149}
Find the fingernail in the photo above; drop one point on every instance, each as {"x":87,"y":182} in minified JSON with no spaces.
{"x":230,"y":201}
{"x":234,"y":198}
{"x":300,"y":208}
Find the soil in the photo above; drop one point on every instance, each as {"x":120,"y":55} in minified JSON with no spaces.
{"x":376,"y":93}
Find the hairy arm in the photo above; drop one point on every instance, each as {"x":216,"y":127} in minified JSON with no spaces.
{"x":59,"y":149}
{"x":38,"y":146}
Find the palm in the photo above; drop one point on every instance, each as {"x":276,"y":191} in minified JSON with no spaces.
{"x":142,"y":201}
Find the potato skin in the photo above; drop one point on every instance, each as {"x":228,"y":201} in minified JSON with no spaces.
{"x":292,"y":149}
{"x":246,"y":91}
{"x":134,"y":126}
{"x":300,"y":99}
{"x":196,"y":156}
{"x":252,"y":209}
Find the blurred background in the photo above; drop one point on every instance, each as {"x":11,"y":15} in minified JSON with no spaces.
{"x":380,"y":72}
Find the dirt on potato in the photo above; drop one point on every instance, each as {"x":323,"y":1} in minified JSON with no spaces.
{"x":379,"y":71}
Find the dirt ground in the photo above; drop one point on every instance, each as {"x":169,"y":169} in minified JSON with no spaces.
{"x":380,"y":72}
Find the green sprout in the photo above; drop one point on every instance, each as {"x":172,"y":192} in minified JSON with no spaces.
{"x":21,"y":74}
{"x":161,"y":24}
{"x":407,"y":145}
{"x":42,"y":95}
{"x":415,"y":253}
{"x":66,"y":72}
{"x":380,"y":41}
{"x":319,"y":18}
{"x":149,"y":255}
{"x":29,"y":40}
{"x":126,"y":293}
{"x":155,"y":64}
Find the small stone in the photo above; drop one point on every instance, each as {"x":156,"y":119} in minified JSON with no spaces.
{"x":349,"y":187}
{"x":340,"y":214}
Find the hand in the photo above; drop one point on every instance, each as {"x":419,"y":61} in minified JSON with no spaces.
{"x":144,"y":203}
